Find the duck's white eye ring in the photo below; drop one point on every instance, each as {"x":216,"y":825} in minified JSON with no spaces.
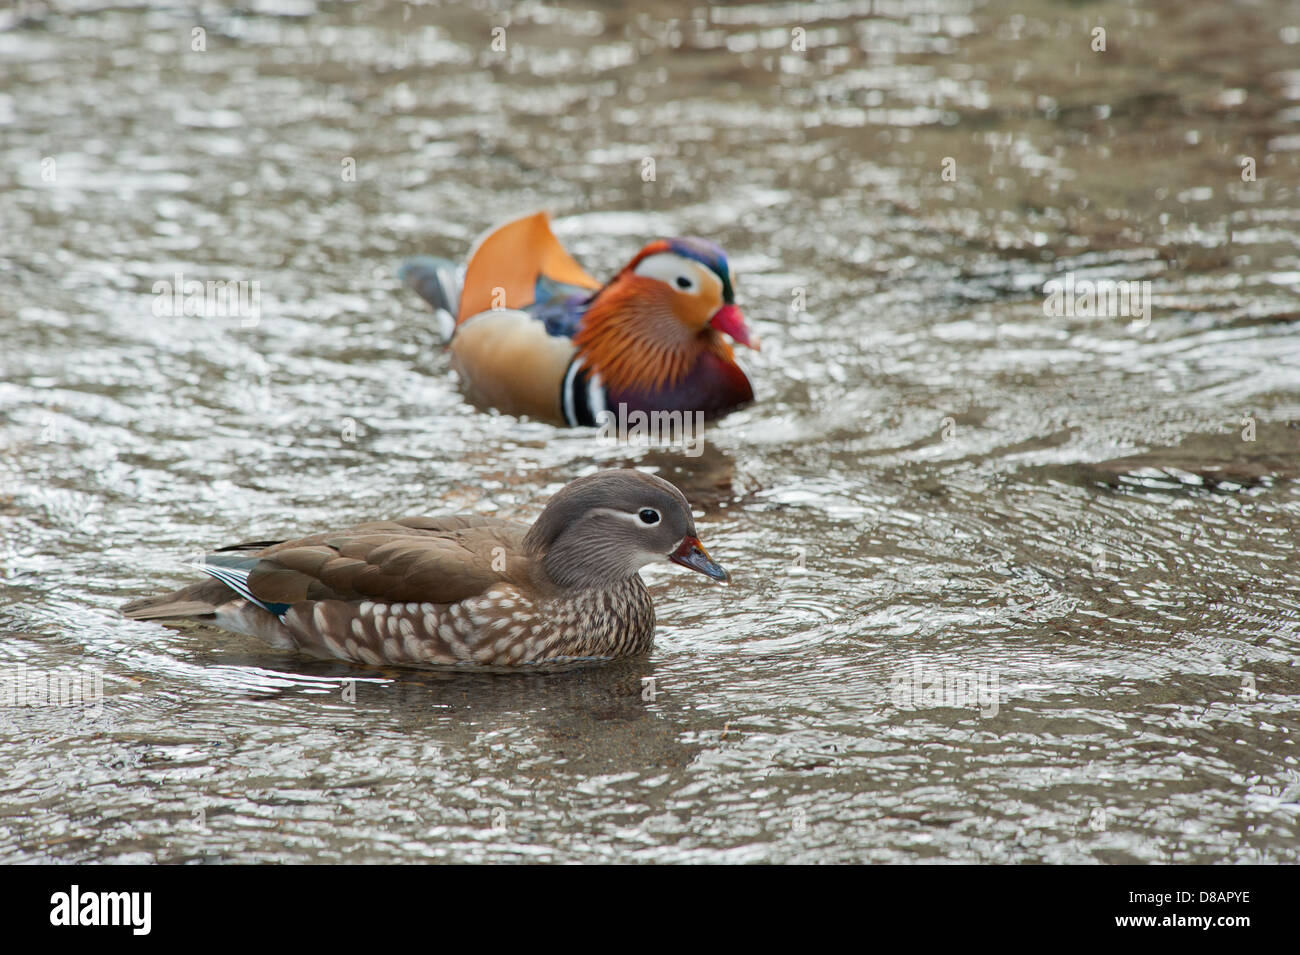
{"x":649,"y":515}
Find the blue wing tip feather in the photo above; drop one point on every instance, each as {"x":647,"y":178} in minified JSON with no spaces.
{"x":233,"y":572}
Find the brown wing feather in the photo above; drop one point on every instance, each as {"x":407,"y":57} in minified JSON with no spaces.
{"x":440,"y":559}
{"x":416,"y":560}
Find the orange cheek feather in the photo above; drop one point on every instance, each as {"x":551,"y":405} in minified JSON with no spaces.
{"x":637,"y":334}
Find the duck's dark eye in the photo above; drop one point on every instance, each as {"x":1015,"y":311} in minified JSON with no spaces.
{"x":649,"y":515}
{"x":683,"y":282}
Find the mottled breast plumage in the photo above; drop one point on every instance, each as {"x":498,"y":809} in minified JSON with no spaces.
{"x":502,"y":627}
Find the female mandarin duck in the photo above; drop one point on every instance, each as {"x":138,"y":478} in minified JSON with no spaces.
{"x":536,"y":335}
{"x":449,"y":590}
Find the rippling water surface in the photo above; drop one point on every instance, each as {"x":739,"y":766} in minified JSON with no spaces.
{"x":1093,"y":521}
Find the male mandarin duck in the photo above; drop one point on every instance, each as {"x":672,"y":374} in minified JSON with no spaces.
{"x":535,"y":335}
{"x":458,"y":590}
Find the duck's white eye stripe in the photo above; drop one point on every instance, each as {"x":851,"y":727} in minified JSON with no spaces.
{"x":678,"y":272}
{"x":637,"y":518}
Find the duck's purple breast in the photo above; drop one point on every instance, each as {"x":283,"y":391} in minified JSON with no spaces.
{"x":714,"y":386}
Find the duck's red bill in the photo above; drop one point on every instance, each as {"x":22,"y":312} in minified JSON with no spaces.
{"x":730,"y":320}
{"x":691,"y":553}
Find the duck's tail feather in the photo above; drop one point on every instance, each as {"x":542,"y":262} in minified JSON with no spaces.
{"x":437,"y":281}
{"x":195,"y":601}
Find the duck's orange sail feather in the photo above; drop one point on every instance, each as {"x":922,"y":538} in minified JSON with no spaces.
{"x":504,"y":267}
